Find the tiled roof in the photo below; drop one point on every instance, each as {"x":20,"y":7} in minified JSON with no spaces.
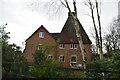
{"x":55,"y":35}
{"x":68,"y":34}
{"x":38,"y":30}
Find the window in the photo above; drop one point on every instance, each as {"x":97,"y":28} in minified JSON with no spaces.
{"x":50,"y":56}
{"x":61,"y":58}
{"x":84,"y":50}
{"x":73,"y":61}
{"x":41,"y":34}
{"x":62,"y":46}
{"x":73,"y":46}
{"x":39,"y":46}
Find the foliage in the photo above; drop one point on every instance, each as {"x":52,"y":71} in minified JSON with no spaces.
{"x":45,"y":68}
{"x":98,"y":68}
{"x":103,"y":68}
{"x":4,"y":34}
{"x":49,"y":69}
{"x":115,"y":65}
{"x":39,"y":56}
{"x":12,"y":57}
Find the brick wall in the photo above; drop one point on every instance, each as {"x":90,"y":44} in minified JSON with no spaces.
{"x":35,"y":40}
{"x":67,"y":52}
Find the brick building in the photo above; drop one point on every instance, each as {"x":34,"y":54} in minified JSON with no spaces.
{"x":67,"y":51}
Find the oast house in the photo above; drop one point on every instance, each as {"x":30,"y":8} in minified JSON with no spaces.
{"x":67,"y":51}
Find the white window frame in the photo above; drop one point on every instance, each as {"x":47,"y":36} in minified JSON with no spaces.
{"x":71,"y":62}
{"x":62,"y":46}
{"x":41,"y":34}
{"x":71,"y":57}
{"x":50,"y":56}
{"x":39,"y":45}
{"x":73,"y":46}
{"x":62,"y":58}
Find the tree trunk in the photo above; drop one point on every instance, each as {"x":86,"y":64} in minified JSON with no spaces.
{"x":76,"y":27}
{"x":98,"y":17}
{"x":98,"y":34}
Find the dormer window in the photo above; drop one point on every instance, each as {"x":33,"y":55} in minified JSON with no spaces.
{"x":41,"y":34}
{"x":61,"y":46}
{"x":73,"y":46}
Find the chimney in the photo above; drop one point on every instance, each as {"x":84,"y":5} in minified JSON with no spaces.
{"x":70,"y":14}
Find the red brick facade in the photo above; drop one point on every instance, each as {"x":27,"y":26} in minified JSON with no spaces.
{"x":71,"y":56}
{"x":33,"y":41}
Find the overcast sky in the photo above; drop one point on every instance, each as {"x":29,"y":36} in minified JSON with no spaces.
{"x":25,"y":16}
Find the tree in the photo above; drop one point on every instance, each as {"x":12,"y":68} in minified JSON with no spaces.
{"x":95,"y":6}
{"x":103,"y":68}
{"x":45,"y":68}
{"x":115,"y":65}
{"x":42,"y":51}
{"x":98,"y":69}
{"x":76,"y":27}
{"x":39,"y":56}
{"x":3,"y":34}
{"x":98,"y":31}
{"x":112,"y":40}
{"x":12,"y":57}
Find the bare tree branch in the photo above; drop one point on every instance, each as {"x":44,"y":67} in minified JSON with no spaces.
{"x":63,"y":3}
{"x":75,"y":9}
{"x":68,"y":6}
{"x":58,"y":8}
{"x":98,"y":40}
{"x":86,"y":4}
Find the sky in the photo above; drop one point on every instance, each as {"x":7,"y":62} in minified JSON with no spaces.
{"x":26,"y":16}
